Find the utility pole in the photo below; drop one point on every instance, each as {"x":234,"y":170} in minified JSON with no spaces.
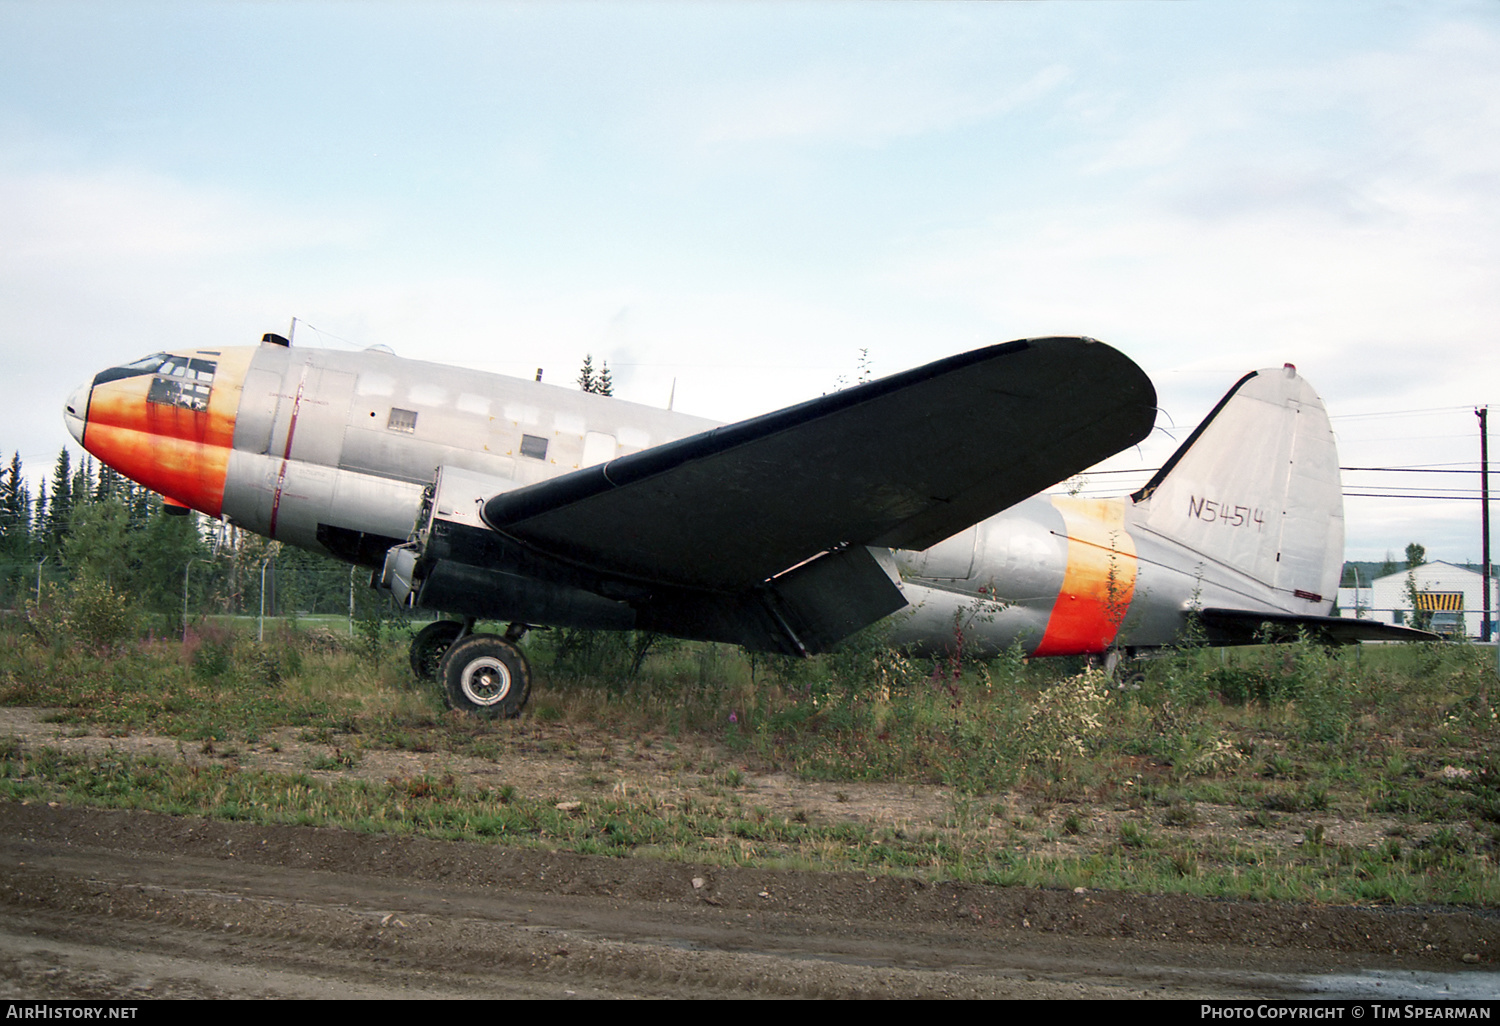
{"x":1484,"y":511}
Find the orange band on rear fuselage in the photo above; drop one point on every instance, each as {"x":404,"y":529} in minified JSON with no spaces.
{"x":179,"y":452}
{"x":1099,"y":581}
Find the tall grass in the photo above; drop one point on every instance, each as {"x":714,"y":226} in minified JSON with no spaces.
{"x":1277,"y":732}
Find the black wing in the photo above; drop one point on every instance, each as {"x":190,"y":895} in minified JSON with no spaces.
{"x":902,"y":462}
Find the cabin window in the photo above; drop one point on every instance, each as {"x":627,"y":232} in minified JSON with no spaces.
{"x":183,"y":382}
{"x":404,"y":421}
{"x":534,"y":446}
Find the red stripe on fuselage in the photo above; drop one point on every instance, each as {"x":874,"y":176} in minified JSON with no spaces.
{"x":1099,"y":581}
{"x":286,"y":455}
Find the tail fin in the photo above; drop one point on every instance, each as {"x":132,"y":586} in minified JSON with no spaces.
{"x":1256,"y":489}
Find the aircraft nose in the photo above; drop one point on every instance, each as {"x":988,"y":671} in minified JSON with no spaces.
{"x":76,"y":412}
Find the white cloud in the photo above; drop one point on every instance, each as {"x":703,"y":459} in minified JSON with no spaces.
{"x":103,"y":267}
{"x":1272,"y":230}
{"x":860,"y":103}
{"x":94,"y":218}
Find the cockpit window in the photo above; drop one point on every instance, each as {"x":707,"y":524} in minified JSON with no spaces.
{"x":184,"y":382}
{"x":145,"y":365}
{"x":186,"y":368}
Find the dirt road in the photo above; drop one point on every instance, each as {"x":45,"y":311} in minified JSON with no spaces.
{"x":133,"y":905}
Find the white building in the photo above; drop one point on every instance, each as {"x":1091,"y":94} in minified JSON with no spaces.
{"x":1454,"y":595}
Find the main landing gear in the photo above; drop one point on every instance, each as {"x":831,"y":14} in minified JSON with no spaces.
{"x":483,"y":674}
{"x":1123,"y":668}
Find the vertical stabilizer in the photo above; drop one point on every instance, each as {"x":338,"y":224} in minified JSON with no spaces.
{"x":1255,"y":489}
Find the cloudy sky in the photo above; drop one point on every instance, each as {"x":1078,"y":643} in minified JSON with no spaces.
{"x":741,"y":197}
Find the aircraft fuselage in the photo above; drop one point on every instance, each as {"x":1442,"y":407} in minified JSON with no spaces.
{"x":334,"y":452}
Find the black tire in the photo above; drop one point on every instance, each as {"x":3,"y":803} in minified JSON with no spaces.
{"x":486,"y":676}
{"x":430,"y":645}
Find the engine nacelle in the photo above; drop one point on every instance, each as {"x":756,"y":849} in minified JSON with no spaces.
{"x":456,"y":564}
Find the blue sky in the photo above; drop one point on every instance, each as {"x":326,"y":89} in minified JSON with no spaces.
{"x":740,"y":197}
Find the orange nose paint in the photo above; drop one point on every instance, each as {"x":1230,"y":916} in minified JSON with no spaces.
{"x":1099,"y":581}
{"x":168,"y":435}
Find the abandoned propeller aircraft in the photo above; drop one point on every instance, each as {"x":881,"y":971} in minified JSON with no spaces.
{"x":491,"y":497}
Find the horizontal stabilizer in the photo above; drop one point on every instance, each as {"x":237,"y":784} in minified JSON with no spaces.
{"x":902,"y":462}
{"x":1243,"y":627}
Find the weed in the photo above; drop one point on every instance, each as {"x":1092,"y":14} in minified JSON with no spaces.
{"x":731,"y":777}
{"x":1297,"y":799}
{"x":1280,"y":766}
{"x":1064,"y":718}
{"x":1185,"y":863}
{"x":337,"y":760}
{"x":88,"y":611}
{"x":1181,"y":815}
{"x":1134,"y":834}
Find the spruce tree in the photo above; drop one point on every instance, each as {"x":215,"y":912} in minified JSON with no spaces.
{"x":60,"y":510}
{"x":83,"y":482}
{"x":39,"y":520}
{"x":600,"y":383}
{"x":15,"y":511}
{"x":15,"y":532}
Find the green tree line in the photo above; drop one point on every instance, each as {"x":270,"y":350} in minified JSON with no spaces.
{"x":86,"y":521}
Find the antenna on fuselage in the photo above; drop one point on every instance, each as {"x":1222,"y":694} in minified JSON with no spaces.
{"x":539,"y":374}
{"x":291,"y":332}
{"x":672,"y":395}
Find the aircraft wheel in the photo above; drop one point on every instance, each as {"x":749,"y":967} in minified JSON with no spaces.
{"x":430,"y":645}
{"x":486,"y":676}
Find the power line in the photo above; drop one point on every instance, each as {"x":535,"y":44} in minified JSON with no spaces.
{"x":1391,"y":470}
{"x":1420,"y":466}
{"x":1387,"y":495}
{"x":1401,"y":413}
{"x":1414,"y":470}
